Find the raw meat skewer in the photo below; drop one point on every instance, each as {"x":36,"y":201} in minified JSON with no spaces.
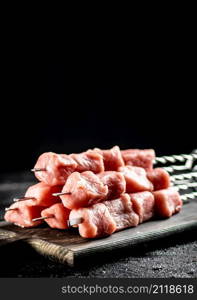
{"x":41,"y":194}
{"x":104,"y":218}
{"x":73,"y":222}
{"x":56,"y":216}
{"x":21,"y":214}
{"x":54,"y":169}
{"x":81,"y":189}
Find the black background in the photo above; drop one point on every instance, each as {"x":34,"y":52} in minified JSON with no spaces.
{"x":50,"y":107}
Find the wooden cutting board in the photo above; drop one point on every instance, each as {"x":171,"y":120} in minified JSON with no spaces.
{"x":66,"y":246}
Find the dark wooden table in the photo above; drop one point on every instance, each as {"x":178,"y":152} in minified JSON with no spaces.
{"x":169,"y":257}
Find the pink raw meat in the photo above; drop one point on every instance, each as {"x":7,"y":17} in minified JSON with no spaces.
{"x":116,"y":183}
{"x":159,"y":178}
{"x":88,"y":161}
{"x":143,"y":205}
{"x":42,"y":194}
{"x":97,"y":221}
{"x":167,"y":202}
{"x":58,"y":168}
{"x":139,"y":158}
{"x":85,"y":188}
{"x":122,"y":212}
{"x":58,"y":216}
{"x":112,"y":158}
{"x":103,"y":219}
{"x":23,"y":214}
{"x":136,"y":179}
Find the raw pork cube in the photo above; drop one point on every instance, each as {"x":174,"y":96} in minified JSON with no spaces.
{"x":58,"y":168}
{"x":42,"y":194}
{"x":136,"y":179}
{"x":167,"y":202}
{"x":112,"y":158}
{"x":116,"y":183}
{"x":58,"y":216}
{"x":159,"y":178}
{"x":143,"y":205}
{"x":85,"y":188}
{"x":88,"y":161}
{"x":23,"y":214}
{"x":97,"y":221}
{"x":139,"y":158}
{"x":122,"y":212}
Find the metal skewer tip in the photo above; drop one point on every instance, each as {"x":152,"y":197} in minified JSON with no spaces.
{"x":38,"y":169}
{"x":22,"y":199}
{"x":8,"y":209}
{"x":75,"y":222}
{"x":41,"y":218}
{"x":60,"y":194}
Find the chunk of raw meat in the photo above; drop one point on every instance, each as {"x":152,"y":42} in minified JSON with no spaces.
{"x":42,"y":194}
{"x":159,"y":178}
{"x":112,"y":158}
{"x":167,"y":202}
{"x":103,"y":219}
{"x":136,"y":179}
{"x":97,"y":221}
{"x":116,"y":183}
{"x":85,"y":188}
{"x":122,"y":212}
{"x":58,"y":167}
{"x":143,"y":205}
{"x":139,"y":158}
{"x":23,"y":214}
{"x":58,"y":216}
{"x":88,"y":161}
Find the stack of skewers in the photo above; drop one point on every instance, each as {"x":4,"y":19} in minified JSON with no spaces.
{"x":103,"y":191}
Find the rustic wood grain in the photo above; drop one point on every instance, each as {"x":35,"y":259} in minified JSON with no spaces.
{"x":66,"y":246}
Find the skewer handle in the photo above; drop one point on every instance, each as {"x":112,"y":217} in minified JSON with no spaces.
{"x":187,"y":186}
{"x":184,"y":176}
{"x":182,"y":158}
{"x":185,"y":198}
{"x":175,"y":168}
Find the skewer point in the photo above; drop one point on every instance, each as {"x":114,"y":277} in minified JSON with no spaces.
{"x":60,"y":194}
{"x":38,"y":169}
{"x":41,"y":218}
{"x":73,"y":222}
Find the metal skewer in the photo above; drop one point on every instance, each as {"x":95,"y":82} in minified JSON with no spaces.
{"x":41,"y":218}
{"x":184,"y":176}
{"x":70,"y":223}
{"x":38,"y":169}
{"x":189,"y":196}
{"x":60,"y":194}
{"x":73,"y":222}
{"x":174,"y":168}
{"x":175,"y":158}
{"x":186,"y":186}
{"x":8,"y":208}
{"x":23,"y":199}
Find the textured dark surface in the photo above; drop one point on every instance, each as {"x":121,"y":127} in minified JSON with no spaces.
{"x":170,"y":257}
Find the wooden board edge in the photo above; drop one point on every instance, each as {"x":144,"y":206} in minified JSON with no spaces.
{"x":52,"y":251}
{"x":131,"y":242}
